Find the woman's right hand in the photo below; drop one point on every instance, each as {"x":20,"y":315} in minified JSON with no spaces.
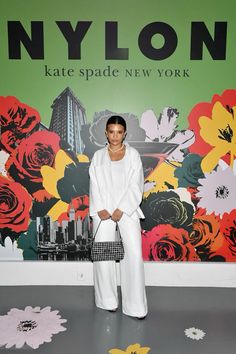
{"x":104,"y":214}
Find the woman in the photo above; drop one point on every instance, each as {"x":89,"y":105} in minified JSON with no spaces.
{"x":116,"y":188}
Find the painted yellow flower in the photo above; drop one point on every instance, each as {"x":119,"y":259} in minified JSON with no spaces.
{"x":163,"y":177}
{"x":52,"y":175}
{"x":220,"y":132}
{"x":131,"y":349}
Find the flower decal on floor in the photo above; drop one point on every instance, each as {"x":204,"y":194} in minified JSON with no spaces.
{"x":31,"y":326}
{"x":131,"y":349}
{"x":194,"y":333}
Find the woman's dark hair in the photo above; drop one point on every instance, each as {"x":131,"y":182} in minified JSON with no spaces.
{"x":116,"y":120}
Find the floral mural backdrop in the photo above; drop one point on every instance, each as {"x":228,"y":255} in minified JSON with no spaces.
{"x":189,"y":192}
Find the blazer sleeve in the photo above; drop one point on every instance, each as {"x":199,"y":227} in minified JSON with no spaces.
{"x":132,"y":197}
{"x":95,"y":200}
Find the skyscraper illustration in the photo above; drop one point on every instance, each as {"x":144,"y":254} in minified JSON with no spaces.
{"x":70,"y":238}
{"x":68,"y":116}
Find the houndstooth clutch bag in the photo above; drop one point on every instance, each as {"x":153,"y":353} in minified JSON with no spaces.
{"x":107,"y":250}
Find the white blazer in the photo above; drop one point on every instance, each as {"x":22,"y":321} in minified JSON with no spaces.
{"x":100,"y":191}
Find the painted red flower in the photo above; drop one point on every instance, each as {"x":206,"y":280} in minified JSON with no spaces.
{"x":166,"y":243}
{"x":15,"y":205}
{"x":17,"y":120}
{"x":193,"y":191}
{"x":26,"y":160}
{"x":227,"y":99}
{"x":81,"y":207}
{"x":228,"y":229}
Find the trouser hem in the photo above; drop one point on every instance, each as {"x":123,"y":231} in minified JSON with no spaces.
{"x":134,"y":314}
{"x":109,"y":306}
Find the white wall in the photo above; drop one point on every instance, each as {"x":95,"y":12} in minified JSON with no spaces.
{"x":80,"y":273}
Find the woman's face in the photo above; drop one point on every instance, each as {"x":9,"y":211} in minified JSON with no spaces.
{"x":115,"y":134}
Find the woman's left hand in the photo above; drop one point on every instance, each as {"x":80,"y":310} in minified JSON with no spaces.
{"x":117,"y":214}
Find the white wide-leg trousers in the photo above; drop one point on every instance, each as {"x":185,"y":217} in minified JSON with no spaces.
{"x":134,"y":302}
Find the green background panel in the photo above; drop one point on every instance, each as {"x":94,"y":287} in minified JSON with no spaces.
{"x":25,"y":78}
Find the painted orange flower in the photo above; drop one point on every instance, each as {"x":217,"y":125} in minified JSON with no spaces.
{"x":205,"y":229}
{"x":220,"y":250}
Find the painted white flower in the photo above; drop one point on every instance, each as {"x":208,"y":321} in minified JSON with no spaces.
{"x":30,"y":326}
{"x":164,"y":129}
{"x":184,"y":138}
{"x":10,"y":252}
{"x":194,"y":333}
{"x":149,"y":185}
{"x":184,"y":195}
{"x":148,"y":122}
{"x":3,"y":159}
{"x":217,"y":191}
